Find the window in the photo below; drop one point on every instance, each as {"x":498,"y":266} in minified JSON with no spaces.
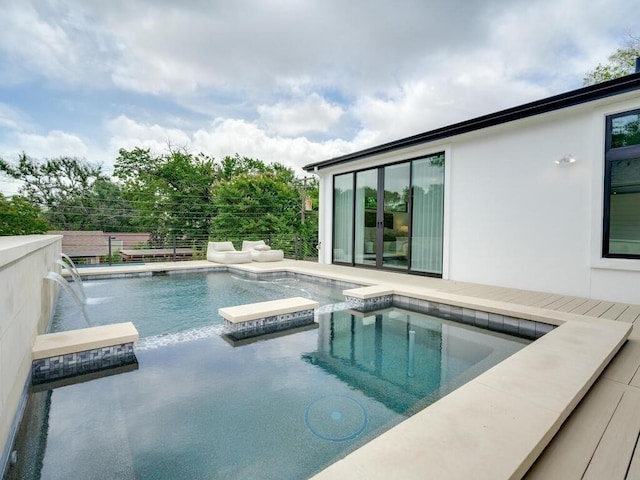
{"x":621,"y":228}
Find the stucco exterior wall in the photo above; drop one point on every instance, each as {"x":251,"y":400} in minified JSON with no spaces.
{"x":515,"y":218}
{"x":26,"y":304}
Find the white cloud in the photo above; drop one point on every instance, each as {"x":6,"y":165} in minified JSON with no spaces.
{"x":39,"y":45}
{"x":128,"y":134}
{"x":311,"y":114}
{"x":12,"y":118}
{"x":55,"y":144}
{"x":225,"y":137}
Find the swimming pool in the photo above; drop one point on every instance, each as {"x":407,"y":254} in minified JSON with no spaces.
{"x":164,"y":304}
{"x":285,"y":407}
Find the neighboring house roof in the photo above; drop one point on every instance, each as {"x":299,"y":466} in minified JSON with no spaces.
{"x":83,"y":244}
{"x":129,"y":240}
{"x":591,"y":93}
{"x":95,"y":243}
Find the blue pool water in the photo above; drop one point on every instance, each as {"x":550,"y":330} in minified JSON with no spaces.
{"x":171,"y":303}
{"x":281,"y":408}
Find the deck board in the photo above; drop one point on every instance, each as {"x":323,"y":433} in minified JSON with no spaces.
{"x":624,"y":366}
{"x":533,"y":298}
{"x":569,"y":454}
{"x":543,"y":302}
{"x":585,"y":307}
{"x":618,"y":442}
{"x":599,"y":309}
{"x":634,"y":468}
{"x":630,"y":315}
{"x":615,"y":311}
{"x":573,"y":304}
{"x":561,"y":302}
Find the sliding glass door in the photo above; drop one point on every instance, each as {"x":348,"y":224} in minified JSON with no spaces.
{"x":427,"y":216}
{"x":391,"y":216}
{"x":366,"y":217}
{"x":343,"y":218}
{"x":394,"y":249}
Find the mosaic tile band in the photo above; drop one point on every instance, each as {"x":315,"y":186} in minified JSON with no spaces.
{"x":72,"y":364}
{"x":272,"y":324}
{"x":491,"y":321}
{"x":369,"y":304}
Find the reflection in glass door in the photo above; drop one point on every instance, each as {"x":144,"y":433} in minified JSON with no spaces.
{"x":366,"y":218}
{"x":395,"y":237}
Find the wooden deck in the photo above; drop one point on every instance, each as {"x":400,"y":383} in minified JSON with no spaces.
{"x":599,"y":440}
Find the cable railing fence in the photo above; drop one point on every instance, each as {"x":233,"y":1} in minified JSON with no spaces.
{"x":109,"y":248}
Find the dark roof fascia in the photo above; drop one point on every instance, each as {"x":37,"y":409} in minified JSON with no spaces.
{"x":591,"y":93}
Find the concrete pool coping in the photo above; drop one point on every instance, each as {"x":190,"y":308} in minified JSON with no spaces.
{"x":271,"y":308}
{"x":73,"y":341}
{"x":496,"y":425}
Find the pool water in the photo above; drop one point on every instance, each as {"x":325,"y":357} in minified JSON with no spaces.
{"x":159,"y":305}
{"x":281,"y":408}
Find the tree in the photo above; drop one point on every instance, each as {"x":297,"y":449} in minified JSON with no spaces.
{"x":19,"y":217}
{"x":622,"y":62}
{"x":172,"y":192}
{"x":72,"y":194}
{"x":255,"y":204}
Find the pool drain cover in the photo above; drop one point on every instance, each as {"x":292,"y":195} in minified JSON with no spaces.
{"x":336,"y":418}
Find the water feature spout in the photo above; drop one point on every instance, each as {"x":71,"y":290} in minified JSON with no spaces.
{"x":59,"y":279}
{"x":71,"y":268}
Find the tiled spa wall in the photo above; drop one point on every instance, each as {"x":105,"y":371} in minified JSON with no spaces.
{"x":491,"y":321}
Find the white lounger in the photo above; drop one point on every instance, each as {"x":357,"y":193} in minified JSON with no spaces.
{"x":225,"y":252}
{"x":261,"y":252}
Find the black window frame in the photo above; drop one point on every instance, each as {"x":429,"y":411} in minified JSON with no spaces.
{"x":611,"y":155}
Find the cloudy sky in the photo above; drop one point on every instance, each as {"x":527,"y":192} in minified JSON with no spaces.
{"x":293,"y":81}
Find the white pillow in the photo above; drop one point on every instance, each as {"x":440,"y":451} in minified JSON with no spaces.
{"x":221,"y":246}
{"x":262,"y":248}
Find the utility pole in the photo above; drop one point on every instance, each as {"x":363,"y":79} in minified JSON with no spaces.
{"x":304,"y":200}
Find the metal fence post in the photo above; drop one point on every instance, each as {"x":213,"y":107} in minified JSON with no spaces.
{"x":174,"y":247}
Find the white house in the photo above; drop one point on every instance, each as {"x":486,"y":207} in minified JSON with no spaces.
{"x":544,"y":196}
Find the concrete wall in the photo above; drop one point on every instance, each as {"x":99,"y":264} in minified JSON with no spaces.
{"x":26,"y":305}
{"x":513,"y":217}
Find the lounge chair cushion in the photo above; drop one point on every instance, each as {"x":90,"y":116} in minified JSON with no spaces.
{"x":261,"y":252}
{"x":222,"y":246}
{"x":225,"y":252}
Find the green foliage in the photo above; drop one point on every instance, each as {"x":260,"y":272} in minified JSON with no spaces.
{"x":19,"y":217}
{"x":256,"y":204}
{"x":176,"y":196}
{"x":172,"y":192}
{"x":622,"y":62}
{"x":72,"y":193}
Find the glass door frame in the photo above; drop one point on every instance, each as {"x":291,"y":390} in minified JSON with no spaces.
{"x":357,"y":256}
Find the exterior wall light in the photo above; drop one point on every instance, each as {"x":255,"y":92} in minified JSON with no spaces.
{"x":566,"y":160}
